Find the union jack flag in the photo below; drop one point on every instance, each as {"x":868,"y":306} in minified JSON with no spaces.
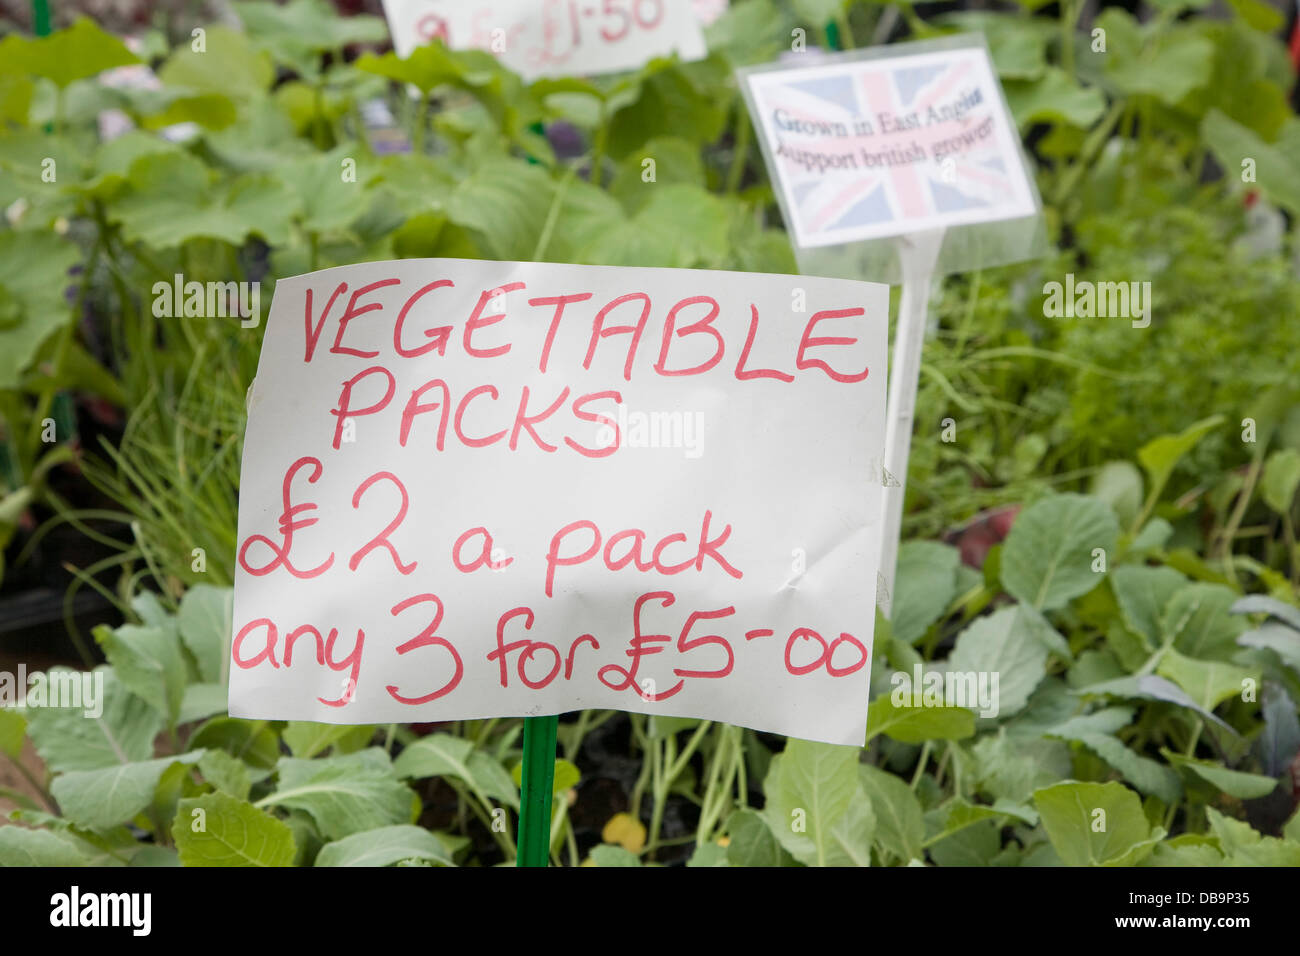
{"x":864,"y":149}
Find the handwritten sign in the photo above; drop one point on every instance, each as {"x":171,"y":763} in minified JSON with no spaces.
{"x":886,"y":146}
{"x":475,"y":489}
{"x":538,"y":38}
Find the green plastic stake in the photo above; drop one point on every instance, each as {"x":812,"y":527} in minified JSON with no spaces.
{"x":537,"y":791}
{"x":833,"y":36}
{"x":41,"y":17}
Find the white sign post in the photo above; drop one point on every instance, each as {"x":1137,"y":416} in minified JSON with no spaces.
{"x":477,"y":489}
{"x":919,"y":254}
{"x":896,"y":163}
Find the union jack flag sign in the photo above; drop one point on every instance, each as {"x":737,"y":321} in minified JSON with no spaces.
{"x":869,"y":148}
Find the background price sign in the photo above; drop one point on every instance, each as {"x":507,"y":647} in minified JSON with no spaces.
{"x":897,"y":163}
{"x":538,"y":38}
{"x":478,"y":489}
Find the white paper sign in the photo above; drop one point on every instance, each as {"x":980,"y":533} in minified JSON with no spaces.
{"x":707,"y":11}
{"x":475,"y":489}
{"x":887,"y":146}
{"x":538,"y":38}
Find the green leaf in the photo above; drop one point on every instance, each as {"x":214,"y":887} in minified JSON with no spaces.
{"x":173,"y":199}
{"x":1161,"y":455}
{"x":164,"y":108}
{"x":15,"y":99}
{"x":506,"y":201}
{"x":583,"y":213}
{"x":35,"y":276}
{"x":229,"y":65}
{"x":900,"y":825}
{"x":82,"y":50}
{"x":1199,"y":620}
{"x":442,"y":755}
{"x":1188,"y":849}
{"x":709,"y":854}
{"x":13,"y":728}
{"x":852,"y":835}
{"x":430,"y":235}
{"x":1142,"y":593}
{"x":926,"y":583}
{"x":1177,"y":6}
{"x":1010,"y":644}
{"x":976,"y":845}
{"x":427,"y":68}
{"x":1209,"y":683}
{"x":250,"y":740}
{"x":218,"y":830}
{"x":112,"y":795}
{"x":748,"y":33}
{"x":670,"y":103}
{"x":202,"y":701}
{"x":818,"y":13}
{"x":79,"y":372}
{"x":1009,"y":769}
{"x":417,"y":183}
{"x":148,"y":662}
{"x":1054,"y":98}
{"x":1149,"y":776}
{"x":205,"y":626}
{"x":155,"y":856}
{"x":1119,"y":484}
{"x":1047,"y":559}
{"x":28,"y":157}
{"x":1243,"y":846}
{"x":1235,"y":783}
{"x":1151,"y":687}
{"x":753,"y":843}
{"x":1259,"y":15}
{"x":957,"y":815}
{"x":1155,"y":534}
{"x":264,"y":141}
{"x":1280,"y":480}
{"x":1017,"y":45}
{"x":124,"y":732}
{"x":225,"y":773}
{"x":676,"y":161}
{"x":680,"y":226}
{"x":307,"y":26}
{"x":1263,"y":604}
{"x":1282,"y":640}
{"x":1291,"y":831}
{"x":607,"y":854}
{"x":307,"y":738}
{"x":1181,"y":63}
{"x":1117,"y":836}
{"x":659,"y":727}
{"x":328,"y":202}
{"x":913,"y":725}
{"x":810,"y":788}
{"x":343,"y":795}
{"x":20,"y":846}
{"x":384,"y":847}
{"x":567,"y":776}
